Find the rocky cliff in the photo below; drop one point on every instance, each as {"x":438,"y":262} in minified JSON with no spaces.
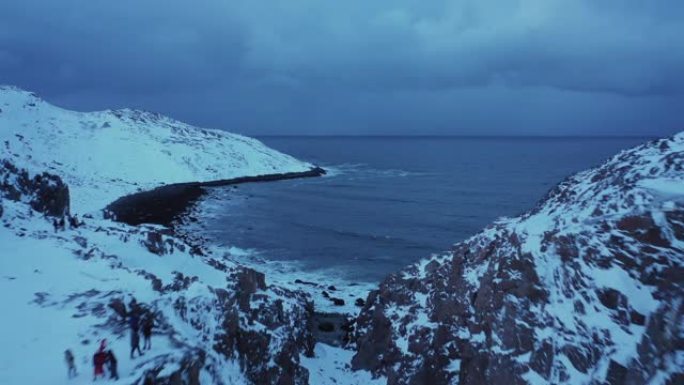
{"x":587,"y":288}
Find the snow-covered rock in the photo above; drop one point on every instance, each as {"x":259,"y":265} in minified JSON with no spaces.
{"x":45,"y":193}
{"x":587,"y":288}
{"x":105,"y":155}
{"x":216,"y":322}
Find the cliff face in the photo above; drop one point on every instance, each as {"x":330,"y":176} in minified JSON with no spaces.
{"x":586,"y":288}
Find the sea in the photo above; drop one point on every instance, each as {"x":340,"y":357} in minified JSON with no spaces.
{"x":389,"y":201}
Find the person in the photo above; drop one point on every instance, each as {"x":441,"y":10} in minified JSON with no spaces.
{"x":112,"y":365}
{"x":99,"y":360}
{"x":62,"y":224}
{"x":71,"y":366}
{"x":148,"y":324}
{"x":133,"y":320}
{"x":181,"y":308}
{"x":135,"y":342}
{"x":55,"y":224}
{"x":133,"y":307}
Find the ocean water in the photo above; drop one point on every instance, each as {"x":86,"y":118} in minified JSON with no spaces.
{"x":391,"y":201}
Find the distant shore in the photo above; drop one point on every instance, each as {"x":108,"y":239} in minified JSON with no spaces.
{"x":164,"y":204}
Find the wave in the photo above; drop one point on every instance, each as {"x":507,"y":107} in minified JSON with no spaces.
{"x":377,"y":239}
{"x":365,"y":171}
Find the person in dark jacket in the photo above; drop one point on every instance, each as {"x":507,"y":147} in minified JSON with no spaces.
{"x":135,"y":342}
{"x":134,"y":321}
{"x":71,"y":366}
{"x":133,"y":308}
{"x":112,"y":365}
{"x":148,"y":324}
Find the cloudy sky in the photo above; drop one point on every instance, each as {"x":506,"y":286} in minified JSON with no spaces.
{"x":459,"y":67}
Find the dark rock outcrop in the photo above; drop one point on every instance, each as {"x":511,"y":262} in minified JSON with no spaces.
{"x":187,"y":369}
{"x":161,"y":241}
{"x":265,"y":328}
{"x":45,"y":193}
{"x":586,"y":288}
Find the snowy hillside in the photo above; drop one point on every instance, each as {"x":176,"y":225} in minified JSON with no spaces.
{"x":216,"y":322}
{"x":108,"y":154}
{"x":587,"y":288}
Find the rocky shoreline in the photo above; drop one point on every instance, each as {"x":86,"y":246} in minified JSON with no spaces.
{"x":585,"y":288}
{"x":164,"y":204}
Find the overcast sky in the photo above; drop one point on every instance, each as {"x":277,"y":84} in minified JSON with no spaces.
{"x":461,"y":67}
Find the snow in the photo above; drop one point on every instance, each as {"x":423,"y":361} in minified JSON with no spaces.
{"x":59,"y":300}
{"x":64,"y":315}
{"x":55,"y":298}
{"x":57,"y":285}
{"x":105,"y":155}
{"x":331,"y":366}
{"x":664,"y":186}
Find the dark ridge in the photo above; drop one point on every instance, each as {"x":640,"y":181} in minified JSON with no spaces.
{"x":164,"y":204}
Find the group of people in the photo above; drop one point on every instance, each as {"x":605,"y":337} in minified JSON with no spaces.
{"x":105,"y":357}
{"x":60,"y":224}
{"x":140,"y":322}
{"x":102,"y":358}
{"x":140,"y":326}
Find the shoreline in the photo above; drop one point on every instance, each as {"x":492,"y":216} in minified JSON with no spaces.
{"x":335,"y":307}
{"x":164,"y":204}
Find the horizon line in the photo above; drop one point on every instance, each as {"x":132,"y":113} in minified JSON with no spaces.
{"x":457,"y":136}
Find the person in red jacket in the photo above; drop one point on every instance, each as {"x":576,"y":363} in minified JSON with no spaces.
{"x":99,"y":360}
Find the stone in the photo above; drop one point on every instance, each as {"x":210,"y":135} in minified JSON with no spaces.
{"x":326,"y":327}
{"x":616,"y":374}
{"x":337,"y":301}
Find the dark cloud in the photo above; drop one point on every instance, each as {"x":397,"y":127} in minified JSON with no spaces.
{"x":456,"y":67}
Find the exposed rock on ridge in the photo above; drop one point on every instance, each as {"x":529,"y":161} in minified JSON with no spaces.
{"x":45,"y":193}
{"x":587,"y":288}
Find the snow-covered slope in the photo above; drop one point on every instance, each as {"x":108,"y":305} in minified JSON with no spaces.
{"x":217,"y":323}
{"x":587,"y":288}
{"x":108,"y":154}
